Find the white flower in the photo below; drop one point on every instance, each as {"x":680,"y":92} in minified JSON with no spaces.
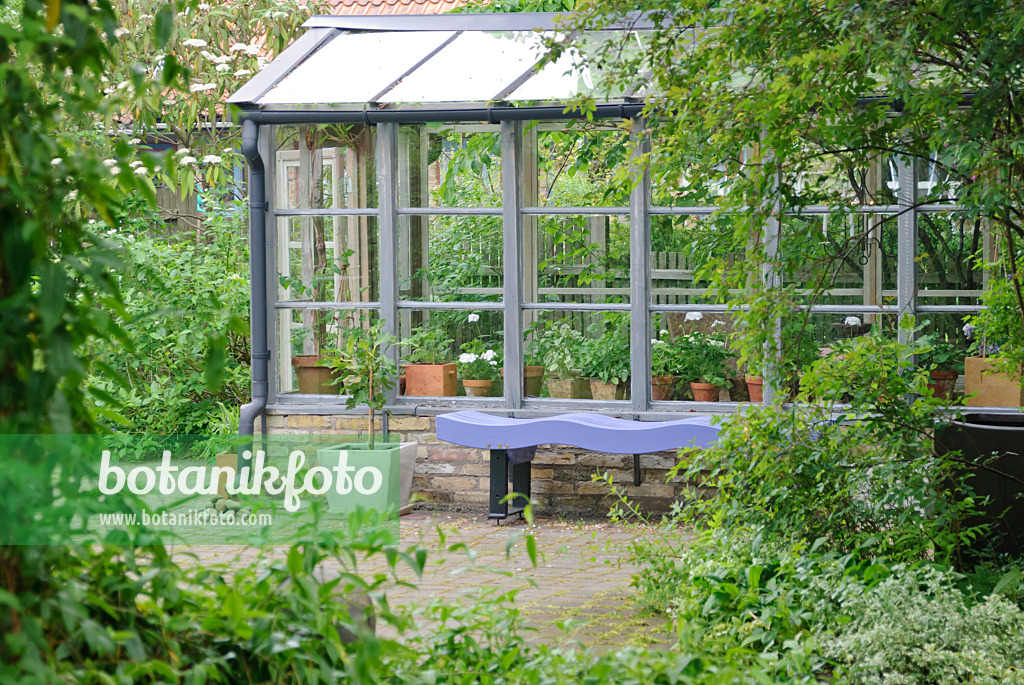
{"x":717,"y":322}
{"x":488,"y":355}
{"x":182,"y":151}
{"x":473,"y":318}
{"x":72,"y":195}
{"x":92,"y":221}
{"x":141,"y":171}
{"x":716,"y":343}
{"x":201,"y":87}
{"x":494,"y":363}
{"x":693,"y":316}
{"x":208,"y":55}
{"x":187,"y":159}
{"x":222,"y":67}
{"x":243,"y":72}
{"x":122,"y":85}
{"x":212,"y":159}
{"x":655,"y":341}
{"x":146,"y":17}
{"x":851,"y":321}
{"x":194,"y":43}
{"x":663,"y":331}
{"x":203,"y":6}
{"x":968,"y":331}
{"x":56,"y":160}
{"x":121,"y":31}
{"x":109,"y":162}
{"x":136,"y":164}
{"x":134,"y":141}
{"x":467,"y":358}
{"x":115,"y":170}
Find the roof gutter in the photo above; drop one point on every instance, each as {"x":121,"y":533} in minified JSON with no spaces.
{"x":493,"y":115}
{"x":260,"y":350}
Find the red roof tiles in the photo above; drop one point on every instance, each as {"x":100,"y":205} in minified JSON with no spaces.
{"x":380,"y":7}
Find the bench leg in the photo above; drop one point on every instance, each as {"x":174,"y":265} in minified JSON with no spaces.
{"x":521,"y":476}
{"x":499,"y":485}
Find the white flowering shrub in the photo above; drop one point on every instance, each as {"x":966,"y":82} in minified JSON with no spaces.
{"x":916,"y":628}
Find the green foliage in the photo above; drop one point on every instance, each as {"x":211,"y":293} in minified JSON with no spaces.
{"x":558,"y":346}
{"x":430,"y":344}
{"x":701,"y":359}
{"x":606,"y":354}
{"x":941,"y":355}
{"x":187,"y":345}
{"x":866,"y":477}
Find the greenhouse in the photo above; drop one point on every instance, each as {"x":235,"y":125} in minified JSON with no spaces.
{"x":437,"y":174}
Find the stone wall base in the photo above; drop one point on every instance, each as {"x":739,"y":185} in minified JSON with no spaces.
{"x":458,"y":477}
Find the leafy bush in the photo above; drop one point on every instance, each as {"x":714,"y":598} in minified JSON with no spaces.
{"x":866,"y":475}
{"x":186,"y":299}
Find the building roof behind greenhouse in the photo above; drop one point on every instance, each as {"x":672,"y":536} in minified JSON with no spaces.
{"x":436,"y":68}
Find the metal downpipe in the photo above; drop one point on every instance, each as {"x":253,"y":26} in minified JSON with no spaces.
{"x":260,"y":350}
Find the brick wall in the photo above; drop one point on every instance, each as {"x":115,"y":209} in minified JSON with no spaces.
{"x":457,"y":477}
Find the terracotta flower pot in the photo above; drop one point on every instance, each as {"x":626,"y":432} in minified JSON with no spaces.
{"x":312,"y":378}
{"x":704,"y":392}
{"x":431,"y":380}
{"x":477,"y":388}
{"x":943,"y":382}
{"x":755,"y":386}
{"x":600,"y":390}
{"x":662,"y":387}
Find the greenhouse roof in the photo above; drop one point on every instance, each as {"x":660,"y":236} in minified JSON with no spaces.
{"x":437,"y":68}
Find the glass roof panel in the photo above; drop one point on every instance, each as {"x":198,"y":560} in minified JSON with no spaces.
{"x":579,"y":71}
{"x":474,"y":67}
{"x":354,"y":67}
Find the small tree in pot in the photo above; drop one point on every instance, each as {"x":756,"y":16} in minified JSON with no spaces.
{"x":365,"y":370}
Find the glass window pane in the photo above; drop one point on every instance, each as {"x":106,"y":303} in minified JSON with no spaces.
{"x":578,"y":258}
{"x":329,"y":166}
{"x":949,"y":250}
{"x":449,"y":165}
{"x":685,"y":252}
{"x":382,"y":58}
{"x":580,"y":165}
{"x":576,"y":355}
{"x":327,"y":259}
{"x":304,"y":335}
{"x":433,"y":344}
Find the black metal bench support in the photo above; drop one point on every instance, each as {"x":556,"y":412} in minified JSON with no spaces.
{"x":500,"y":472}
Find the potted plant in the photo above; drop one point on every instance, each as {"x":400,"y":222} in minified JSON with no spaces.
{"x":755,"y":385}
{"x":945,"y":363}
{"x":664,"y":366}
{"x":605,"y":359}
{"x":427,"y":373}
{"x":702,"y":362}
{"x":366,"y":370}
{"x":313,"y":375}
{"x":479,"y":367}
{"x":558,"y":345}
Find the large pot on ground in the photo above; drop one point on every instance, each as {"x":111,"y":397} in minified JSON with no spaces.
{"x":477,"y":388}
{"x":943,"y":382}
{"x":568,"y":388}
{"x":431,"y":380}
{"x":394,"y":460}
{"x":662,"y":387}
{"x":986,"y":387}
{"x":533,"y":380}
{"x":755,"y":388}
{"x":1001,"y":478}
{"x":704,"y":392}
{"x":312,"y":377}
{"x":601,"y":390}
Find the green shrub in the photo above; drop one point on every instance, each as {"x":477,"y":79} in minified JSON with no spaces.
{"x":186,"y":297}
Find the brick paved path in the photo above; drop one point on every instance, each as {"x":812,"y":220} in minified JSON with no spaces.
{"x":582,"y":577}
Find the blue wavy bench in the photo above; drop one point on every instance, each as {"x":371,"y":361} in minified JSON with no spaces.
{"x":513,"y":443}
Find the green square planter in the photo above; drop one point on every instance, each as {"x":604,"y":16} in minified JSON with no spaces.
{"x":375,"y":476}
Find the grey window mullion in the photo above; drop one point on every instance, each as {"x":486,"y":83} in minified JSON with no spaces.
{"x":640,"y":275}
{"x":512,"y":232}
{"x":772,"y":279}
{"x":387,"y":193}
{"x":267,"y":140}
{"x":906,"y":244}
